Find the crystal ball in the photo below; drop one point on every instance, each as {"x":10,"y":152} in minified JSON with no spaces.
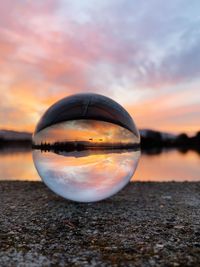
{"x":86,"y":147}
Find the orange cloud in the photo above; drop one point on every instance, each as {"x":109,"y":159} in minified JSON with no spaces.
{"x":172,"y":112}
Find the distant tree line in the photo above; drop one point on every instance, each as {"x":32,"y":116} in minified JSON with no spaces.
{"x":14,"y":143}
{"x":155,"y":139}
{"x":82,"y":145}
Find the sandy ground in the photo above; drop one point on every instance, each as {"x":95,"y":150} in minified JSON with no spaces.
{"x":146,"y":224}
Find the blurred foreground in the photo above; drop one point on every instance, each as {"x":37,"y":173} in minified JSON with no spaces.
{"x":146,"y":224}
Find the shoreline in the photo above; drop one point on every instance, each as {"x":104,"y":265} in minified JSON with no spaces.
{"x":145,"y":224}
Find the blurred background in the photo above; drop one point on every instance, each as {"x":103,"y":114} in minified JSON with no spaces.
{"x":143,"y":54}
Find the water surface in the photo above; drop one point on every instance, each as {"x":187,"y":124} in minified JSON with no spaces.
{"x":167,"y":166}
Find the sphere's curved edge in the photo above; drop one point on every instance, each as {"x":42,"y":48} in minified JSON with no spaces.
{"x":87,"y":106}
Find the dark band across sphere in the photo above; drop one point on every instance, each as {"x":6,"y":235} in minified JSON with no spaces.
{"x":87,"y":106}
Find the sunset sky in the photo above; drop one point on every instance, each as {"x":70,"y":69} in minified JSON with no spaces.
{"x":143,"y":54}
{"x":84,"y":130}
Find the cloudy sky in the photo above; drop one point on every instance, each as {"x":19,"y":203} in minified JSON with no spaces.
{"x":143,"y":54}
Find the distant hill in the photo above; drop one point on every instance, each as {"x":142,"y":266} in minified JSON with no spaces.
{"x":14,"y":135}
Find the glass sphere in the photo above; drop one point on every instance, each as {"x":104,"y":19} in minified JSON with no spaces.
{"x":86,"y":147}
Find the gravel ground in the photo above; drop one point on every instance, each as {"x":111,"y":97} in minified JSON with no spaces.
{"x":146,"y":224}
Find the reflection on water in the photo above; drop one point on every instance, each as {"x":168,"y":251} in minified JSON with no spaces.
{"x":17,"y":164}
{"x":171,"y":165}
{"x":167,"y":166}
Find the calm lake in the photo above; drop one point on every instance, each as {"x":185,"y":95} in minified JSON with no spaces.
{"x":171,"y":165}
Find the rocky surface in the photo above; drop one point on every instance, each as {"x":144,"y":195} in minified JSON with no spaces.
{"x":146,"y":224}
